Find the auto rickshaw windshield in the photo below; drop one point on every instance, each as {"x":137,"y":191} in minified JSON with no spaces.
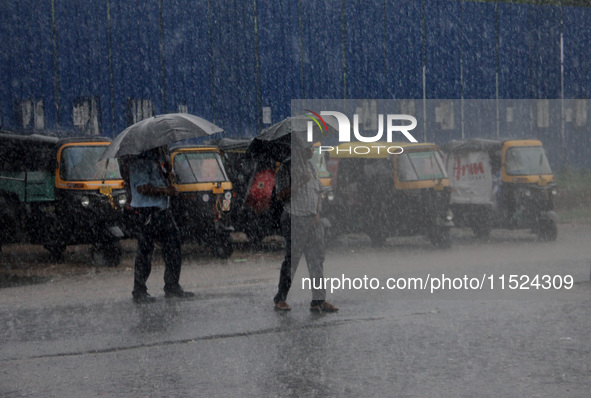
{"x":81,"y":163}
{"x":526,"y":160}
{"x":420,"y":166}
{"x":195,"y":167}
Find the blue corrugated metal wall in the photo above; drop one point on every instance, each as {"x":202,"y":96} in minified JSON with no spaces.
{"x":577,"y":79}
{"x":228,"y":60}
{"x":404,"y":49}
{"x":280,"y":57}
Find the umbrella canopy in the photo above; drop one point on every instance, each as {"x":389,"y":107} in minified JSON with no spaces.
{"x":277,"y":140}
{"x":157,"y":131}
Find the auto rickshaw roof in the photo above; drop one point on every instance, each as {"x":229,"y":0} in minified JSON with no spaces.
{"x":82,"y":140}
{"x":234,"y":144}
{"x":375,"y":149}
{"x":34,"y":152}
{"x":482,"y":144}
{"x":188,"y":147}
{"x":21,"y":152}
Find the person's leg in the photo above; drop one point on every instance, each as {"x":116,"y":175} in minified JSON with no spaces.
{"x":293,"y":253}
{"x":170,"y":237}
{"x":285,"y":272}
{"x":314,"y":253}
{"x":145,"y":248}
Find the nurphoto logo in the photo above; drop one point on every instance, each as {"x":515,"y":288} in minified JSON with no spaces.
{"x":344,"y":129}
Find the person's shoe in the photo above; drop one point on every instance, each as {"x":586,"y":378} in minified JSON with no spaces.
{"x":282,"y":306}
{"x":324,"y":307}
{"x":142,"y":298}
{"x":178,"y":293}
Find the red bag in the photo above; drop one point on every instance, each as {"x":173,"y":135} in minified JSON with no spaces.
{"x":259,"y":195}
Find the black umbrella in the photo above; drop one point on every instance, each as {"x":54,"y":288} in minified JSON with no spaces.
{"x":277,"y":140}
{"x":157,"y":131}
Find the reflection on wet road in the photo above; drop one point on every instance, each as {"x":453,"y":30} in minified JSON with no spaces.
{"x":82,"y":336}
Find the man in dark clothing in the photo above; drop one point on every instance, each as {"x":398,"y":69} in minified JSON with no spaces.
{"x":301,"y":227}
{"x":151,"y":189}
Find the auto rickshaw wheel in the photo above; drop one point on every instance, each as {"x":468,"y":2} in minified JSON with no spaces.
{"x":56,"y":251}
{"x":481,"y":230}
{"x":107,"y":254}
{"x":255,"y":236}
{"x":440,"y":237}
{"x":223,"y":248}
{"x":547,"y":230}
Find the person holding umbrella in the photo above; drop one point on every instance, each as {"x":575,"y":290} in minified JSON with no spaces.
{"x":151,"y":189}
{"x":143,"y":146}
{"x":298,"y":186}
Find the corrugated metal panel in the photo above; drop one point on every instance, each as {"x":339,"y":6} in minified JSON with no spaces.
{"x":479,"y":67}
{"x":187,"y":57}
{"x":322,"y":40}
{"x":479,"y":39}
{"x":577,"y":84}
{"x":234,"y":59}
{"x":544,"y":77}
{"x":365,"y":24}
{"x":280,"y":50}
{"x":544,"y":52}
{"x":136,"y":55}
{"x":45,"y":77}
{"x":9,"y":46}
{"x":442,"y":21}
{"x":514,"y":47}
{"x":83,"y":62}
{"x":577,"y":52}
{"x":404,"y":49}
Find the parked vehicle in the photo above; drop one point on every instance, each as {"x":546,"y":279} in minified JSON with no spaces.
{"x":257,"y":211}
{"x":202,"y":209}
{"x":391,"y":189}
{"x":54,"y":192}
{"x":502,"y":184}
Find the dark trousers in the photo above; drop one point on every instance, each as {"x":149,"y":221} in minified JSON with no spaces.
{"x":157,"y":224}
{"x":304,"y":238}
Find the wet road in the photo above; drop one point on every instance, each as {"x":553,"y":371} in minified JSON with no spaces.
{"x":82,"y":336}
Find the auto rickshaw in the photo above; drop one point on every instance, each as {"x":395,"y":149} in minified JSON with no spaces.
{"x":257,"y":211}
{"x":391,"y":189}
{"x":202,"y":209}
{"x":54,"y":192}
{"x":502,"y":184}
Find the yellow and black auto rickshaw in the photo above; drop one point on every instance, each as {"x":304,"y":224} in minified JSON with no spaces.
{"x":391,"y":189}
{"x":502,"y":184}
{"x":56,"y":193}
{"x":202,"y":209}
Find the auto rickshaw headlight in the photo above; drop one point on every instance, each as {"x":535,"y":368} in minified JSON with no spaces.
{"x":527,"y":193}
{"x":449,"y":215}
{"x":85,"y":201}
{"x":122,"y":200}
{"x":554,"y":191}
{"x":205,"y":197}
{"x":228,"y":195}
{"x":330,"y":196}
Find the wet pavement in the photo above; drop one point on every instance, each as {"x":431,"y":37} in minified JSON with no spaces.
{"x":81,"y":335}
